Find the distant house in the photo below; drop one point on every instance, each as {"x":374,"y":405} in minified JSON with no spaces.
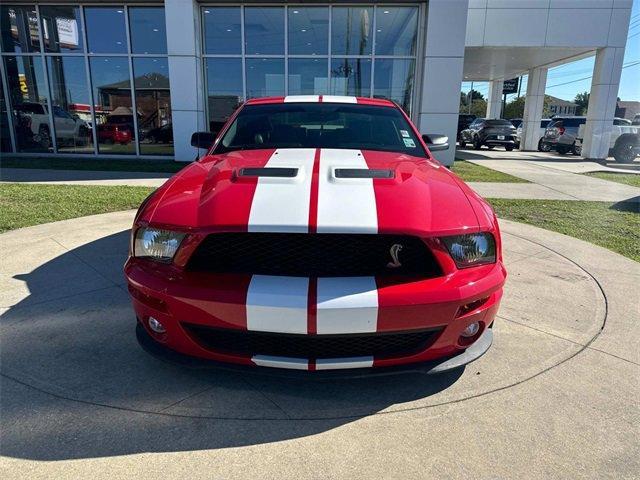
{"x":627,"y":110}
{"x":557,"y":106}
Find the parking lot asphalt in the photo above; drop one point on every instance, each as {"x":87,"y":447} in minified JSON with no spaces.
{"x":555,"y":397}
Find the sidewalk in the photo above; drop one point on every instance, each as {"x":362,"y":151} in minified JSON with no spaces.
{"x":83,"y":177}
{"x":550,"y":179}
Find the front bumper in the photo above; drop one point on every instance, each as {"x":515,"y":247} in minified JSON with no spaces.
{"x":181,"y":300}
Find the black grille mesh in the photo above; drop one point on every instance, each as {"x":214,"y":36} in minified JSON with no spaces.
{"x":242,"y":342}
{"x":313,"y":255}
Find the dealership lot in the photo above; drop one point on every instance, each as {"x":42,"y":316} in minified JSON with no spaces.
{"x":555,"y":396}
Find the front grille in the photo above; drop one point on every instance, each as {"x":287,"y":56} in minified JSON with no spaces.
{"x":314,"y":255}
{"x":243,"y":342}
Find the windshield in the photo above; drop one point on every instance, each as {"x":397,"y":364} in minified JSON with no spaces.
{"x":320,"y":125}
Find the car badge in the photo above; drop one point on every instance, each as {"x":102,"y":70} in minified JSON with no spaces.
{"x":394,"y":251}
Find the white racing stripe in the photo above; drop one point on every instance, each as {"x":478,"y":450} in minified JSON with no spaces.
{"x":301,"y":98}
{"x":345,"y":205}
{"x":342,"y":363}
{"x":347,"y":305}
{"x":282,"y":204}
{"x":281,"y":362}
{"x":277,"y":304}
{"x":338,"y":99}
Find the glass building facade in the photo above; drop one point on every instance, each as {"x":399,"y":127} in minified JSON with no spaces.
{"x":85,"y":80}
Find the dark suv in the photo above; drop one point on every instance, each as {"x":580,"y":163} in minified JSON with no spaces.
{"x":489,"y":132}
{"x":561,"y":134}
{"x":464,"y":120}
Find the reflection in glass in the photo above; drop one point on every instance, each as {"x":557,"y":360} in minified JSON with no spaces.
{"x":264,"y":30}
{"x":396,"y":30}
{"x":28,"y":97}
{"x":222,"y":30}
{"x":148,"y":31}
{"x":351,"y":76}
{"x":308,"y":76}
{"x":106,"y":30}
{"x":19,"y":29}
{"x":351,"y":30}
{"x":61,"y":29}
{"x":224,"y":89}
{"x":5,"y":137}
{"x":265,"y":77}
{"x":153,"y":101}
{"x":393,"y":79}
{"x":308,"y":30}
{"x":112,"y":105}
{"x":70,"y":104}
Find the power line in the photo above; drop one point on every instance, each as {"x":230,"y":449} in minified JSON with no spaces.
{"x":632,"y":64}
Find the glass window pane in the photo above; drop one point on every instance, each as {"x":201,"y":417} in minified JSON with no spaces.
{"x":222,"y":30}
{"x":351,"y":30}
{"x":351,"y":76}
{"x":308,"y":30}
{"x":393,"y":79}
{"x":396,"y":30}
{"x":148,"y":30}
{"x":70,"y":102}
{"x":112,"y":105}
{"x":28,"y":97}
{"x":265,"y":77}
{"x":224,"y":89}
{"x":106,"y":30}
{"x":308,"y":76}
{"x":153,"y":104}
{"x":61,"y":29}
{"x":264,"y":30}
{"x":19,"y":29}
{"x":5,"y":137}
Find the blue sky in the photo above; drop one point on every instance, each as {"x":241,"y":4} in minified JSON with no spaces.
{"x":572,"y":78}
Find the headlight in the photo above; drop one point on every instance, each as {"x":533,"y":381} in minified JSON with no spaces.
{"x":472,"y":249}
{"x":156,"y":244}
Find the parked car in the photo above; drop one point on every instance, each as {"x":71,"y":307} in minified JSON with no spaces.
{"x":636,"y":119}
{"x":33,"y":122}
{"x":464,"y":120}
{"x":112,"y":133}
{"x":489,"y":132}
{"x":624,"y":142}
{"x":543,"y":126}
{"x":297,"y":246}
{"x":561,"y":134}
{"x":163,"y":134}
{"x":516,"y":122}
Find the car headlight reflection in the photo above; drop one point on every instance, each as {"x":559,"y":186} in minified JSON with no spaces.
{"x":157,"y":244}
{"x":471,"y":249}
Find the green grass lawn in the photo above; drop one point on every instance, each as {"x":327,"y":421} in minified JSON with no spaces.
{"x":613,"y":226}
{"x":626,"y":178}
{"x":91,"y":163}
{"x":470,"y":172}
{"x":22,"y":205}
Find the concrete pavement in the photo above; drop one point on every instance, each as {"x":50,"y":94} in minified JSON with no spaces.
{"x":555,"y":397}
{"x":83,"y":177}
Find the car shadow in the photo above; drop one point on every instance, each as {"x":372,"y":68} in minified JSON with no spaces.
{"x":76,"y":384}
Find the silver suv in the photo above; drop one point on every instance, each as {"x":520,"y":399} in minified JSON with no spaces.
{"x":561,"y":134}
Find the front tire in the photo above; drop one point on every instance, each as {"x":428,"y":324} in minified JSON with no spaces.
{"x":508,"y":148}
{"x":463,"y":144}
{"x":562,"y":150}
{"x":477,"y":144}
{"x":543,"y":147}
{"x":624,"y":151}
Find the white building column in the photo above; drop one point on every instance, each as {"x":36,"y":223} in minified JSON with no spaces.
{"x":533,"y":107}
{"x":494,"y":102}
{"x":185,"y":67}
{"x":602,"y":102}
{"x":445,"y":31}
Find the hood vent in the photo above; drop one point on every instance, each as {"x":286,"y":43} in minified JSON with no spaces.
{"x":363,"y":173}
{"x":277,"y":172}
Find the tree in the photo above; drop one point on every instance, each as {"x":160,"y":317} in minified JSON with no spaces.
{"x":582,"y":100}
{"x":476,"y":99}
{"x":479,"y":108}
{"x":515,"y":108}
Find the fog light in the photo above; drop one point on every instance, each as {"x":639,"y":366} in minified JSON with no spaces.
{"x":471,"y":330}
{"x":157,"y":327}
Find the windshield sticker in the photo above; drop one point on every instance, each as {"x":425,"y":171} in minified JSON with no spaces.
{"x":408,"y":142}
{"x":404,"y":133}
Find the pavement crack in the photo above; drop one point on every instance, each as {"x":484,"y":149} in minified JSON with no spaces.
{"x":195,"y":394}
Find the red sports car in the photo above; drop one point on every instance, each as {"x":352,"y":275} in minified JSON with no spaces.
{"x":317,"y":233}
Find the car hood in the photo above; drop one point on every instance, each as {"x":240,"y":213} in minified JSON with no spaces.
{"x":315,"y":191}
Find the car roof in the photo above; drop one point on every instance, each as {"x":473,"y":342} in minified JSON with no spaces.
{"x":321,"y":99}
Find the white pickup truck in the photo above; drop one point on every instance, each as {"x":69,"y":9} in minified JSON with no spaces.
{"x":624,"y":143}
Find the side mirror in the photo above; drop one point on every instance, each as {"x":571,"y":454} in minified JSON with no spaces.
{"x":203,"y":139}
{"x":436,"y":142}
